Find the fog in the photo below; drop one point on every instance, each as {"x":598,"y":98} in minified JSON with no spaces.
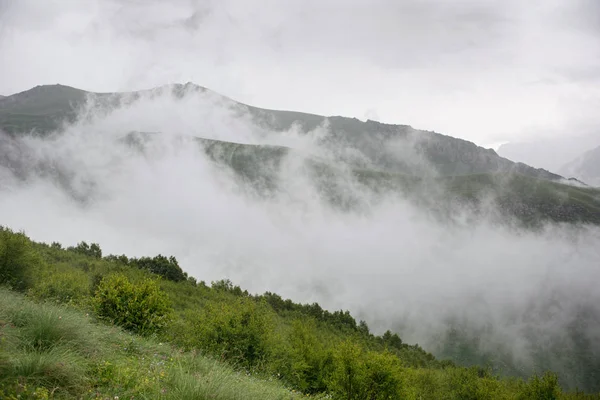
{"x":389,"y":262}
{"x":487,"y":71}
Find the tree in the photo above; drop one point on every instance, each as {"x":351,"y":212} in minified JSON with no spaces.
{"x":168,"y":268}
{"x":17,"y":259}
{"x":84,"y":248}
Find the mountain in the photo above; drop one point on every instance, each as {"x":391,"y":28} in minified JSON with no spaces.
{"x":551,"y":153}
{"x":433,"y":170}
{"x":585,"y":167}
{"x":380,"y":146}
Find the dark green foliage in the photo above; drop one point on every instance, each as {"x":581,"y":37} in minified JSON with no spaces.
{"x":17,"y":259}
{"x":225,"y":285}
{"x":139,"y":307}
{"x":166,"y":267}
{"x":340,"y":319}
{"x":90,"y":250}
{"x":160,"y":265}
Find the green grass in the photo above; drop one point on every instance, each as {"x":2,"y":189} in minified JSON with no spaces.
{"x":50,"y":348}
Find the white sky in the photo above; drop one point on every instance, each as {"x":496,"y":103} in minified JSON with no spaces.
{"x":487,"y":71}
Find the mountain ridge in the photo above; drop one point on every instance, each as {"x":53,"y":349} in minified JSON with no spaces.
{"x":45,"y":107}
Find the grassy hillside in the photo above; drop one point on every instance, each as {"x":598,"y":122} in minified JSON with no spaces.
{"x":55,"y":351}
{"x":94,"y":326}
{"x":41,"y":109}
{"x":530,"y":200}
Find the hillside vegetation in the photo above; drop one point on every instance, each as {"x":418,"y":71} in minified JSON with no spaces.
{"x":78,"y":324}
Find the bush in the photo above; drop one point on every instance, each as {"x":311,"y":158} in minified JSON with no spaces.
{"x":381,"y":376}
{"x":364,"y":375}
{"x":303,"y":360}
{"x":237,"y":331}
{"x":17,"y":259}
{"x":544,"y":388}
{"x":141,"y":308}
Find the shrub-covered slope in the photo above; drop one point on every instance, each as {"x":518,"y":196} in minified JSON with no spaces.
{"x":90,"y":326}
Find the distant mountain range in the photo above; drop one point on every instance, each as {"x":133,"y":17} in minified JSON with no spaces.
{"x":381,"y":156}
{"x":575,"y":155}
{"x":551,"y":152}
{"x":586,"y":167}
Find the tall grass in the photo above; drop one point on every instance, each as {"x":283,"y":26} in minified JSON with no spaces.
{"x":53,"y":351}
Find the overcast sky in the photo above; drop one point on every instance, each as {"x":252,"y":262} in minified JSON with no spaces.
{"x":487,"y":71}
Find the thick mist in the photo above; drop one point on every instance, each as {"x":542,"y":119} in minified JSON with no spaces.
{"x":512,"y":292}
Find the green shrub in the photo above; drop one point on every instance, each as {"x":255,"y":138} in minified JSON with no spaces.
{"x":542,"y":388}
{"x":142,"y":308}
{"x":237,"y":331}
{"x":381,"y":376}
{"x":17,"y":259}
{"x":472,"y":383}
{"x":302,"y":359}
{"x":364,"y":375}
{"x":347,"y":380}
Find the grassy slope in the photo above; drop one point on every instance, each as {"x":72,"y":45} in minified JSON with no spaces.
{"x":51,"y":344}
{"x":42,"y":108}
{"x":50,"y":348}
{"x":530,"y":200}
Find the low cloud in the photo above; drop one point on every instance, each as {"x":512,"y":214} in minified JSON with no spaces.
{"x":389,"y":261}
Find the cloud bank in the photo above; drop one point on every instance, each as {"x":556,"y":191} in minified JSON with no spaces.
{"x":389,"y":262}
